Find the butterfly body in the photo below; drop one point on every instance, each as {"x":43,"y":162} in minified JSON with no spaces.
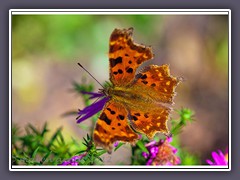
{"x":130,"y":97}
{"x":138,"y":103}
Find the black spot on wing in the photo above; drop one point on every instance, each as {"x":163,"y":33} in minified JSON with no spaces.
{"x":139,"y":75}
{"x":130,"y":70}
{"x":114,"y":62}
{"x":137,"y":114}
{"x":139,"y":61}
{"x":144,"y":76}
{"x":104,"y":118}
{"x":112,"y":112}
{"x":134,"y":118}
{"x":146,"y":115}
{"x":120,"y":71}
{"x":144,"y":82}
{"x":153,"y":84}
{"x":121,"y":117}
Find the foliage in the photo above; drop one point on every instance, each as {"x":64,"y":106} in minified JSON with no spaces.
{"x":33,"y":148}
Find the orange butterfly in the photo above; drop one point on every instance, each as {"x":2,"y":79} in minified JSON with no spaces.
{"x":134,"y":103}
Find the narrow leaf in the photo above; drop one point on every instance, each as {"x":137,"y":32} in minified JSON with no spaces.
{"x":101,"y":152}
{"x":118,"y":146}
{"x":141,"y":146}
{"x":35,"y":152}
{"x":34,"y":129}
{"x":45,"y":157}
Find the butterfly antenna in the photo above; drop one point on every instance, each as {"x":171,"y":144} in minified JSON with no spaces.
{"x":90,"y":75}
{"x":95,"y":101}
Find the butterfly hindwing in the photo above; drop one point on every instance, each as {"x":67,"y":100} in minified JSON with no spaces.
{"x":112,"y":126}
{"x":150,"y":122}
{"x":125,"y":56}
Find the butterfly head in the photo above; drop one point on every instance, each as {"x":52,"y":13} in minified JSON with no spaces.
{"x":106,"y":91}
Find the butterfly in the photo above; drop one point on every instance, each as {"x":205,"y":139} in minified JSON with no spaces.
{"x":135,"y":103}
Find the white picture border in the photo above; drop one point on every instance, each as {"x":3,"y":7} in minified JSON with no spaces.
{"x":119,"y":12}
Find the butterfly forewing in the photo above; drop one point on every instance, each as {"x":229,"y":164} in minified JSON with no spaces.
{"x":125,"y":57}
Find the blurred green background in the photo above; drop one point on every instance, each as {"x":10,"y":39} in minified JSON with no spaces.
{"x":47,"y":48}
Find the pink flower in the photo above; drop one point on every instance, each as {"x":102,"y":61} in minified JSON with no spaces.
{"x":218,"y":158}
{"x":161,"y":153}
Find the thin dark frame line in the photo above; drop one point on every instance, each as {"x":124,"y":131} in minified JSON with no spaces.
{"x":131,"y":14}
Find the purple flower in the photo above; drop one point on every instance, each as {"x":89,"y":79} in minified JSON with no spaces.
{"x":93,"y":94}
{"x":161,"y":153}
{"x":149,"y":162}
{"x":73,"y":161}
{"x":93,"y":108}
{"x":145,"y":155}
{"x":218,"y":158}
{"x":116,"y":144}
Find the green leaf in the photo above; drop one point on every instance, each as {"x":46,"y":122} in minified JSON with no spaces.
{"x":45,"y":157}
{"x":88,"y":137}
{"x":35,"y":152}
{"x":118,"y":146}
{"x":87,"y":160}
{"x":142,"y":146}
{"x":54,"y":137}
{"x":34,"y":129}
{"x":61,"y":138}
{"x":83,"y":87}
{"x":100,"y":159}
{"x":85,"y":140}
{"x":44,"y":129}
{"x":85,"y":144}
{"x":101,"y":153}
{"x":81,"y":151}
{"x":186,"y":115}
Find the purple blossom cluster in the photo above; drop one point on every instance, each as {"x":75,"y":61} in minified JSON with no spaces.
{"x":73,"y":161}
{"x":161,"y":153}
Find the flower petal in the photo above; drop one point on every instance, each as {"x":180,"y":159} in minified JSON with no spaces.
{"x":145,"y":155}
{"x":152,"y":143}
{"x":218,"y":158}
{"x":209,"y":162}
{"x":91,"y":110}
